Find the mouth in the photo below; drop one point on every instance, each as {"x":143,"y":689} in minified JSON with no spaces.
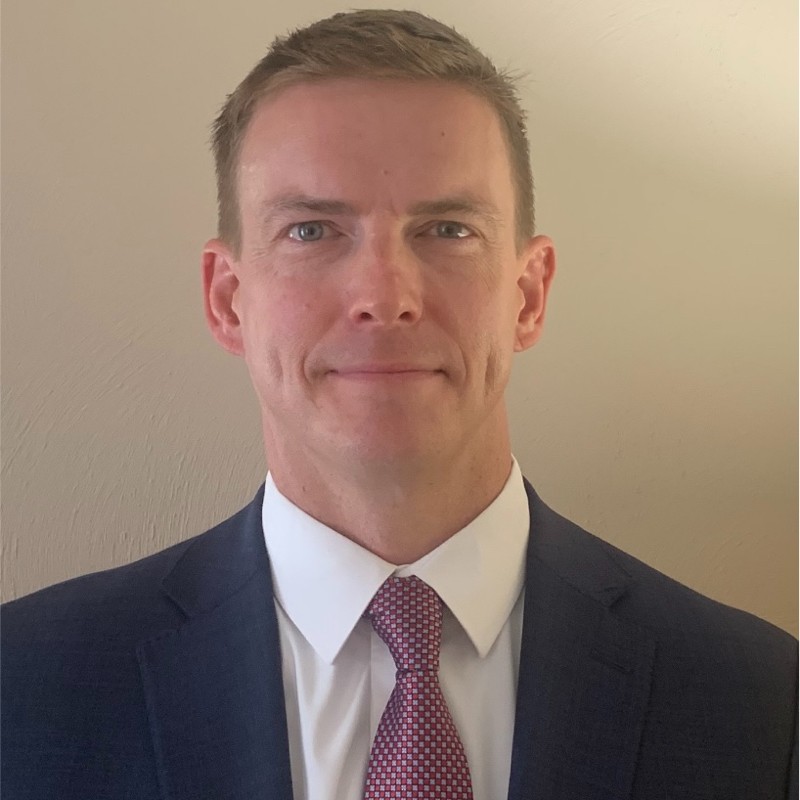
{"x":380,"y":372}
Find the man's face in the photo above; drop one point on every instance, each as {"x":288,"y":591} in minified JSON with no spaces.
{"x":378,"y":295}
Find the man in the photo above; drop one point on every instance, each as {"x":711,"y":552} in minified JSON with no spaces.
{"x":396,"y":614}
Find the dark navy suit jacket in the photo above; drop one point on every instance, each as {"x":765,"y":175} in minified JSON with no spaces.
{"x":162,"y":679}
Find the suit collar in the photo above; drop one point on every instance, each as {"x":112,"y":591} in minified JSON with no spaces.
{"x":584,"y":679}
{"x":213,"y":687}
{"x":219,"y":563}
{"x":214,"y":690}
{"x":578,"y":557}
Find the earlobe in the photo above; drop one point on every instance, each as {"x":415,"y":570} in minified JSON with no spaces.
{"x":219,"y":292}
{"x":534,"y":285}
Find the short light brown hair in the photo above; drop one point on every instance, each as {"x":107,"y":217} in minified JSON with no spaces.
{"x":374,"y":44}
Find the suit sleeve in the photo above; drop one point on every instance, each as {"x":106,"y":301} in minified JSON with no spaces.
{"x":791,"y":793}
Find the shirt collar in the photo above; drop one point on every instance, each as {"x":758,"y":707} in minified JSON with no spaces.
{"x":324,"y":581}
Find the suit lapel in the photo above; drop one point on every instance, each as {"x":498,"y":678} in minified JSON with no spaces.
{"x":213,"y":687}
{"x":584,"y":677}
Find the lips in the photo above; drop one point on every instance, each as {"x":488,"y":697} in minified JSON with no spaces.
{"x":378,"y":369}
{"x":385,"y":371}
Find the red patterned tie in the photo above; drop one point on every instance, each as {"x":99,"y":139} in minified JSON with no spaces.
{"x":416,"y":752}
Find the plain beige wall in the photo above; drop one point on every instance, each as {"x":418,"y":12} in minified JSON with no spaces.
{"x":660,"y":408}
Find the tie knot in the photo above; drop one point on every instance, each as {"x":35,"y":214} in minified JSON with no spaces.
{"x":407,"y":614}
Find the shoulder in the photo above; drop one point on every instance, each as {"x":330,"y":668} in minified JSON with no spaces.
{"x":117,"y":601}
{"x":720,"y":681}
{"x":115,"y":607}
{"x":699,"y":641}
{"x":72,"y":693}
{"x":675,"y":613}
{"x":636,"y":591}
{"x":71,"y":682}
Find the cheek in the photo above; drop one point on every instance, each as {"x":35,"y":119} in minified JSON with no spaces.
{"x":269,"y":320}
{"x":274,"y":311}
{"x":493,"y":320}
{"x":283,"y":322}
{"x":492,"y":335}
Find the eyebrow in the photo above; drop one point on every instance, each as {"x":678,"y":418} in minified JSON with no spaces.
{"x":301,"y":202}
{"x":466,"y":203}
{"x":460,"y":204}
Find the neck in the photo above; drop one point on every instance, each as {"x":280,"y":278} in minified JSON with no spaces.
{"x":400,"y":514}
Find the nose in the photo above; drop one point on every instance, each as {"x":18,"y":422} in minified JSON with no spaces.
{"x":384,"y":284}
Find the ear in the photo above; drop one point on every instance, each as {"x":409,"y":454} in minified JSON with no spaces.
{"x":538,"y":263}
{"x":219,"y":295}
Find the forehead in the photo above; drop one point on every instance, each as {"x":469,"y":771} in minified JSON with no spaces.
{"x":336,"y":136}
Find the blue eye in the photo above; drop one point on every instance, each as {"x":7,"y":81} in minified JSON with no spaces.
{"x":307,"y":231}
{"x":451,"y":230}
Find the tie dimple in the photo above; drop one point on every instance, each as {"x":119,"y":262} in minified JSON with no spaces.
{"x":416,"y":752}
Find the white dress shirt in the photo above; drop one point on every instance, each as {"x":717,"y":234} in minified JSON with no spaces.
{"x":338,"y":674}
